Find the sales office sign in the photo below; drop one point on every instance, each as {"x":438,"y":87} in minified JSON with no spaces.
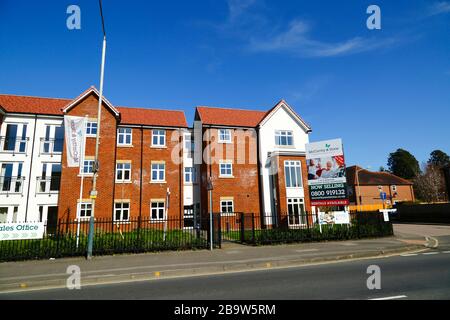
{"x":326,"y":173}
{"x":21,"y":231}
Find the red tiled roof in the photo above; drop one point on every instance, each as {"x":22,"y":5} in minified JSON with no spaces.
{"x":152,"y":117}
{"x":230,"y":117}
{"x":35,"y":105}
{"x":54,"y":106}
{"x":367,"y":177}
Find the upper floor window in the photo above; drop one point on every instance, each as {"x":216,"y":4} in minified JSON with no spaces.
{"x":158,"y":171}
{"x":91,"y":128}
{"x":158,"y":138}
{"x":225,"y":135}
{"x":14,"y":139}
{"x":292,"y":172}
{"x":123,"y":172}
{"x":188,"y":143}
{"x":190,"y":175}
{"x":226,"y":169}
{"x":88,"y":167}
{"x":284,"y":138}
{"x":53,"y":140}
{"x":124,"y":136}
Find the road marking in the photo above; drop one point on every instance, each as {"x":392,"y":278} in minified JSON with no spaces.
{"x":445,"y":251}
{"x":429,"y":253}
{"x":390,"y":298}
{"x":306,"y":250}
{"x":409,"y":255}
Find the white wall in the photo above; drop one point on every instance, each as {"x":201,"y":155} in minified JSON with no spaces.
{"x":280,"y":120}
{"x":30,"y":159}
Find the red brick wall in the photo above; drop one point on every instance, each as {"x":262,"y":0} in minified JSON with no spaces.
{"x":70,"y":179}
{"x":109,"y":153}
{"x":371,"y":194}
{"x":244,"y":186}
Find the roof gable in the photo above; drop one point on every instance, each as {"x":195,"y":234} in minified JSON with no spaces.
{"x":81,"y":97}
{"x":284,"y":105}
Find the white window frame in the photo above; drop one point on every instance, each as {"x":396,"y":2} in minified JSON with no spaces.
{"x":92,"y":161}
{"x":89,"y":127}
{"x":279,"y":134}
{"x":226,"y":163}
{"x":123,"y":132}
{"x":189,"y":144}
{"x":156,"y":133}
{"x":83,"y":207}
{"x":293,"y":164}
{"x":121,"y":209}
{"x":299,"y":202}
{"x":192,"y":173}
{"x":158,"y":209}
{"x":158,"y":170}
{"x":227,"y":203}
{"x":225,"y":136}
{"x":123,"y":170}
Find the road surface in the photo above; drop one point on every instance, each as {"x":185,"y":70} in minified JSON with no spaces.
{"x":424,"y":275}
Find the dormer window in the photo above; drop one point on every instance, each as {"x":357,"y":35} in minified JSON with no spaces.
{"x":284,"y":138}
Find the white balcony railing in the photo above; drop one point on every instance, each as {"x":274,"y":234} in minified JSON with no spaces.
{"x":11,"y":185}
{"x":51,"y":146}
{"x":13,"y":145}
{"x":47,"y":185}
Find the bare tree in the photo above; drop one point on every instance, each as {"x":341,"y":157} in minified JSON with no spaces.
{"x":430,"y":184}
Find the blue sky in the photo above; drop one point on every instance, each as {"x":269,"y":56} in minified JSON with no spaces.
{"x":378,"y":90}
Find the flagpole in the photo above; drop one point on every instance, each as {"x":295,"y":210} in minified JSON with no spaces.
{"x":93,"y":194}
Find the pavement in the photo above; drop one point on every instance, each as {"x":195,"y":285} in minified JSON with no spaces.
{"x":51,"y":274}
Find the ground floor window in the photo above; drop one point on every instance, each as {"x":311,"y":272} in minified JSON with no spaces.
{"x":296,"y":211}
{"x":188,"y":216}
{"x":84,"y":210}
{"x":3,"y":214}
{"x":122,"y":211}
{"x":157,"y":210}
{"x":227,"y":206}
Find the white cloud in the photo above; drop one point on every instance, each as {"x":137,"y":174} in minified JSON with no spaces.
{"x":439,"y":8}
{"x":297,"y":40}
{"x":238,"y":7}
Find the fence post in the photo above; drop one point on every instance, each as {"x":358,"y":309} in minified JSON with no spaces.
{"x":138,"y":237}
{"x":219,"y":231}
{"x":58,"y":227}
{"x":90,"y":238}
{"x":253,"y":228}
{"x":242,"y":228}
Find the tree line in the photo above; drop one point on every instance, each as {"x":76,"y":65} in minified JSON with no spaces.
{"x":428,"y":178}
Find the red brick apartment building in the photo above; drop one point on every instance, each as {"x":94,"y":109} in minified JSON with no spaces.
{"x":255,"y":162}
{"x":151,"y":164}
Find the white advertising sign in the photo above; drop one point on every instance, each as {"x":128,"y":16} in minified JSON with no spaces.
{"x":334,"y":217}
{"x":325,"y":161}
{"x":74,"y":128}
{"x":21,"y":231}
